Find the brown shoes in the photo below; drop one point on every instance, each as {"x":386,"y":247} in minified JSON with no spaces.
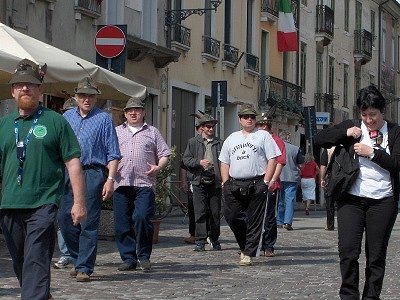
{"x":82,"y":277}
{"x":73,"y":272}
{"x":269,"y":253}
{"x":190,"y":240}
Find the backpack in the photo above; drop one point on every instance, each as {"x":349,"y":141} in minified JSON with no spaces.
{"x":342,"y":170}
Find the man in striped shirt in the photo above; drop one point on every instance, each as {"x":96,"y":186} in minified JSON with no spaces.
{"x":99,"y":146}
{"x":144,"y":154}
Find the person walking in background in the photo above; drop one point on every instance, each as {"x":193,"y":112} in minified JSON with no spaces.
{"x":290,"y":177}
{"x":99,"y":144}
{"x":270,"y":228}
{"x":369,"y":202}
{"x":201,"y":160}
{"x":144,"y":155}
{"x":325,"y":158}
{"x":248,"y":161}
{"x":36,"y":145}
{"x":65,"y":258}
{"x":308,"y":174}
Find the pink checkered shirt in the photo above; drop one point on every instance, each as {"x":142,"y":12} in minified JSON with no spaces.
{"x":137,"y":150}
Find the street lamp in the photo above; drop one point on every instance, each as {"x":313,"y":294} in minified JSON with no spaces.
{"x":173,"y":16}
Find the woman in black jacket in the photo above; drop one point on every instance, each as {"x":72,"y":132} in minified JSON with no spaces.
{"x":370,"y":202}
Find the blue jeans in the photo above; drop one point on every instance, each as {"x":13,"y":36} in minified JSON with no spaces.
{"x":133,"y":209}
{"x":63,"y":246}
{"x":286,"y":202}
{"x":81,"y":240}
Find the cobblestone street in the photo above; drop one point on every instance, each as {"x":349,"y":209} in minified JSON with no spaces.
{"x":305,"y":267}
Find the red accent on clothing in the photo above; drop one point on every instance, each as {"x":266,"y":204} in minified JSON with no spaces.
{"x":309,"y":170}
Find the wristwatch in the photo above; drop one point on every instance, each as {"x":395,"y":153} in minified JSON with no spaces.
{"x":266,"y":182}
{"x":111,"y":178}
{"x":371,"y":155}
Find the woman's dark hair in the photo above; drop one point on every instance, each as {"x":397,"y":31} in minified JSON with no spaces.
{"x":370,"y":96}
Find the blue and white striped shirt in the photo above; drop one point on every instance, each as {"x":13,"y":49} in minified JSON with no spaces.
{"x":96,"y":136}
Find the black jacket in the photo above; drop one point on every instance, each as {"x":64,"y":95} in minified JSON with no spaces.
{"x":194,"y":152}
{"x":337,"y":135}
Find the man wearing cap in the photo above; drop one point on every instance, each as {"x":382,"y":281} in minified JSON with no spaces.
{"x":201,"y":160}
{"x":144,"y":154}
{"x":36,"y":145}
{"x":270,"y":229}
{"x":99,"y":145}
{"x":248,"y":160}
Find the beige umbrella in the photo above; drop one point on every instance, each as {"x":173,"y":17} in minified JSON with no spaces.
{"x":64,"y":70}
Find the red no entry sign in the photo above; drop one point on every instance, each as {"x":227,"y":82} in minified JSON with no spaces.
{"x":109,"y":41}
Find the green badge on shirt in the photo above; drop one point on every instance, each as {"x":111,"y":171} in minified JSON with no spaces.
{"x":40,"y":131}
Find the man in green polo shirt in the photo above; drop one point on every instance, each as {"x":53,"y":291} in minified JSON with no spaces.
{"x":36,"y":144}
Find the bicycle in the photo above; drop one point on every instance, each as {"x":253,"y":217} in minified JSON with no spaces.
{"x":172,"y":200}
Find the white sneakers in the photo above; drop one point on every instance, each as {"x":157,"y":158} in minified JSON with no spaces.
{"x":245,"y":260}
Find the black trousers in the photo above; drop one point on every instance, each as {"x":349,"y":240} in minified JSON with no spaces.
{"x":245,"y":213}
{"x":330,"y":212}
{"x":270,"y":229}
{"x":30,"y":238}
{"x":207,"y":211}
{"x":192,"y":223}
{"x":376,"y":218}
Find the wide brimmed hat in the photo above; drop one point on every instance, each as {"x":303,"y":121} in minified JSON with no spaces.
{"x":87,"y":86}
{"x":205,"y":119}
{"x":263,"y":119}
{"x":134,"y":103}
{"x":247,"y":109}
{"x":28,"y":71}
{"x":70,"y":103}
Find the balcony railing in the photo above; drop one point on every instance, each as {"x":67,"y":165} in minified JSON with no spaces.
{"x":284,"y":94}
{"x":324,"y":102}
{"x":325,"y":20}
{"x":88,"y":7}
{"x":271,"y":7}
{"x":211,"y":46}
{"x":363,"y":44}
{"x":181,"y":34}
{"x":252,"y":62}
{"x":231,"y":54}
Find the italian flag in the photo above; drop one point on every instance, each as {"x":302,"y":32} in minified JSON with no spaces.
{"x":287,"y":34}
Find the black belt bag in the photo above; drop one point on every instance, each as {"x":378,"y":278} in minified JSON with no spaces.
{"x":245,"y":187}
{"x":207,"y":180}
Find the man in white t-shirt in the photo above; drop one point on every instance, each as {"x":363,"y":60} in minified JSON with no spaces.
{"x":248,"y":161}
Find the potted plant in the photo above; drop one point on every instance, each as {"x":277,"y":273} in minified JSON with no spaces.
{"x":162,"y":193}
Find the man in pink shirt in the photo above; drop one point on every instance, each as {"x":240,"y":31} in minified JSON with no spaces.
{"x":270,"y":228}
{"x":144,"y":153}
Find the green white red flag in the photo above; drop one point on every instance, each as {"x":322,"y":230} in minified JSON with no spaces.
{"x":287,"y":33}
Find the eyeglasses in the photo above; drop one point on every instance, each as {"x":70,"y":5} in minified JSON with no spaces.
{"x":253,"y":117}
{"x":209,"y":126}
{"x":20,"y":86}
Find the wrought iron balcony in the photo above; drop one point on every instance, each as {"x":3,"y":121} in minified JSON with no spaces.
{"x":181,"y":35}
{"x":252,"y":63}
{"x":211,"y":47}
{"x":88,"y":7}
{"x":284,"y":94}
{"x":269,"y":10}
{"x":362,"y":46}
{"x":231,"y":54}
{"x":324,"y":24}
{"x":324,"y":102}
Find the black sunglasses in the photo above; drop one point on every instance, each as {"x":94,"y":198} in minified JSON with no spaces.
{"x":209,"y":126}
{"x":253,"y":117}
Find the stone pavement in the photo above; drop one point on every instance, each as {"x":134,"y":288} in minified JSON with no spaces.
{"x":305,"y":267}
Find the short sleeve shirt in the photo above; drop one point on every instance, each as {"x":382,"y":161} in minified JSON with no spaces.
{"x":247,"y":155}
{"x":51,"y":144}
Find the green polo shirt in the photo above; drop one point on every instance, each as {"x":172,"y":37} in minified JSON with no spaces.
{"x":51,"y":144}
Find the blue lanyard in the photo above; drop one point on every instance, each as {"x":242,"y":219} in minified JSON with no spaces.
{"x":21,"y":145}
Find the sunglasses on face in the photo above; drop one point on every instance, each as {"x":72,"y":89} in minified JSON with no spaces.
{"x":209,"y":126}
{"x":253,"y":117}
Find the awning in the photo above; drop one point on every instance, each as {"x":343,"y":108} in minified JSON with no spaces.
{"x":63,"y":72}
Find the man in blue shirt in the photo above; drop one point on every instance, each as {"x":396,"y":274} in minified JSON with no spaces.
{"x":99,"y":145}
